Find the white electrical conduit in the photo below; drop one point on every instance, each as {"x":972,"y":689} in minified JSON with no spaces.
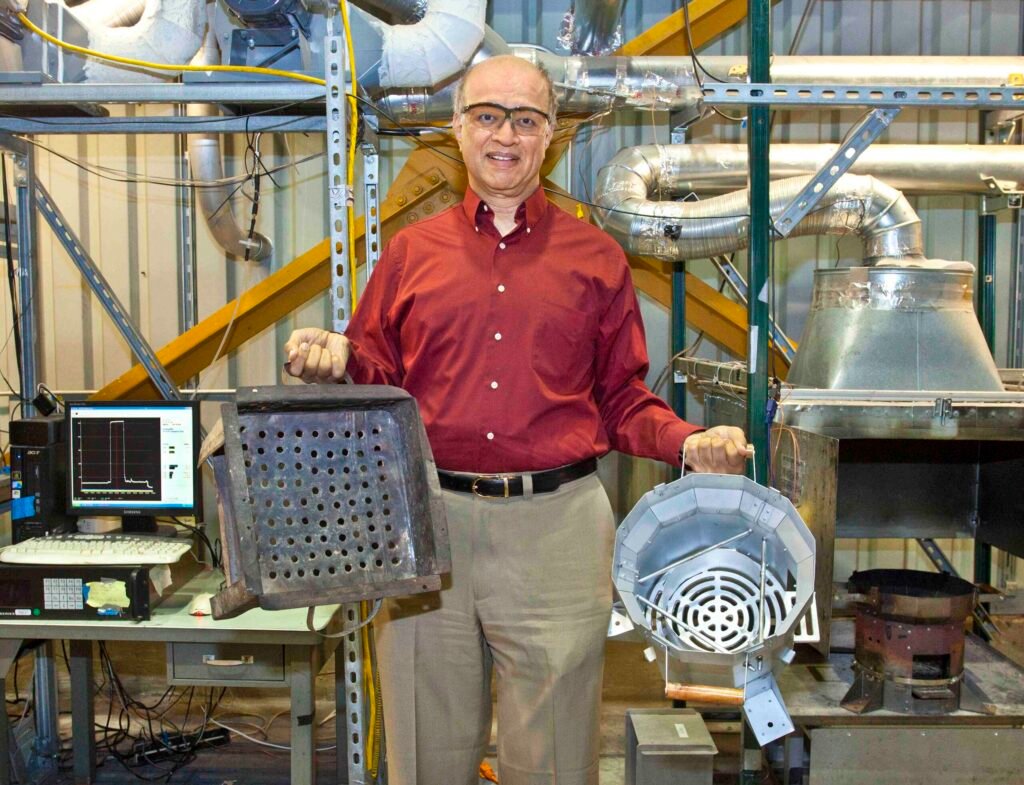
{"x":934,"y":168}
{"x":204,"y":155}
{"x":879,"y":214}
{"x":423,"y":54}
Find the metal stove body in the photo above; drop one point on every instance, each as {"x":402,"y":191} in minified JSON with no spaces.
{"x":717,"y":572}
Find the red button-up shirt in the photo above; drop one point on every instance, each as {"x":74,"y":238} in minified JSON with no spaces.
{"x":524,"y":352}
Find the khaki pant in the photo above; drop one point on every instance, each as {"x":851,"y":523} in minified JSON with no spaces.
{"x":529,"y":595}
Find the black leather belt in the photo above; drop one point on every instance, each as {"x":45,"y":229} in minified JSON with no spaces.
{"x":502,"y":486}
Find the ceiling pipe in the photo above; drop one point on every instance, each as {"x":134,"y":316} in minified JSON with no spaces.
{"x":591,"y":27}
{"x":879,"y":214}
{"x":168,"y":31}
{"x":423,"y":54}
{"x":205,"y":159}
{"x":720,"y":168}
{"x":596,"y":84}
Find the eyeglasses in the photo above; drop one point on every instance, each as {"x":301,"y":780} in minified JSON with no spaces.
{"x":526,"y":121}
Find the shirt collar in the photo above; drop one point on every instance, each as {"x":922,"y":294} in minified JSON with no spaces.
{"x":534,"y":208}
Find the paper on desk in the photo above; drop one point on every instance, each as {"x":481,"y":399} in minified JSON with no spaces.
{"x":107,"y":593}
{"x":160,"y":577}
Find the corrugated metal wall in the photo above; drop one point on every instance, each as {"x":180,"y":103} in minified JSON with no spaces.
{"x":130,"y":227}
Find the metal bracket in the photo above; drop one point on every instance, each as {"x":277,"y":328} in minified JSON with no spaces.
{"x":337,"y":187}
{"x":951,"y":97}
{"x":738,"y":284}
{"x":101,"y":288}
{"x":371,"y":206}
{"x":943,"y":410}
{"x":1001,"y":196}
{"x":858,"y":140}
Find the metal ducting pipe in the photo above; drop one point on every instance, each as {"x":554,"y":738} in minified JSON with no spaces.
{"x":399,"y":12}
{"x":594,"y":84}
{"x":720,"y":168}
{"x":110,"y":13}
{"x":591,"y":27}
{"x":204,"y":155}
{"x":422,"y":105}
{"x":168,"y":31}
{"x":423,"y":54}
{"x":878,"y":213}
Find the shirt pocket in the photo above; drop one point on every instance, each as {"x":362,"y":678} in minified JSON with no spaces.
{"x":563,"y":348}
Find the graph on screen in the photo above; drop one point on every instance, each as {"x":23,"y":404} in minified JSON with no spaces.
{"x":117,"y":459}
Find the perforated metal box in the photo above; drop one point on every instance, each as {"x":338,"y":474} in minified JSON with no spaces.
{"x":334,"y":493}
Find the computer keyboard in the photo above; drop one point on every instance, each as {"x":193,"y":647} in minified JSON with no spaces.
{"x":97,"y":549}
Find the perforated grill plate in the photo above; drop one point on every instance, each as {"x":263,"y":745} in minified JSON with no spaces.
{"x":328,"y":498}
{"x":718,"y":606}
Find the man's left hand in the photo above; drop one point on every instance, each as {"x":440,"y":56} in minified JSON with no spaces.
{"x":722,"y":449}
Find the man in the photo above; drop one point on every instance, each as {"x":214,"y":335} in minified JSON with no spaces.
{"x":516,"y":328}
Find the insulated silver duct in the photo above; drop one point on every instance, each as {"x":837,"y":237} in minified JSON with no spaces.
{"x":591,"y":27}
{"x":879,"y":214}
{"x":596,"y":84}
{"x":423,"y":54}
{"x":719,"y":168}
{"x":401,"y":12}
{"x":204,"y":155}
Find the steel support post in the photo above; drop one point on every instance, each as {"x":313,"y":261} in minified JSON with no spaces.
{"x":349,"y":655}
{"x":1016,"y":350}
{"x":987,"y":317}
{"x":678,"y":336}
{"x":24,"y":182}
{"x":46,"y":747}
{"x":986,"y":277}
{"x":371,"y":207}
{"x":188,"y":315}
{"x":758,"y":135}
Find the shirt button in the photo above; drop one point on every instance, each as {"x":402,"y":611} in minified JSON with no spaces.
{"x":494,"y":385}
{"x":527,"y":229}
{"x":490,"y":436}
{"x":485,"y":208}
{"x":477,"y":228}
{"x":501,"y":287}
{"x":501,"y":246}
{"x":497,"y":336}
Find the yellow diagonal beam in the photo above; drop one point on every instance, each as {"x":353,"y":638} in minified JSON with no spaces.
{"x":427,"y":184}
{"x":276,"y":296}
{"x":708,"y":20}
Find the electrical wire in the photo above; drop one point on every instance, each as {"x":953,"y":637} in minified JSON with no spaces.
{"x":698,"y":66}
{"x":123,"y":176}
{"x":353,"y":135}
{"x":246,"y":69}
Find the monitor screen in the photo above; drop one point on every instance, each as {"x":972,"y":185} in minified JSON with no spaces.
{"x":133,"y":458}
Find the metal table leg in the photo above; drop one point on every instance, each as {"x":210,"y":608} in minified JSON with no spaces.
{"x":83,"y":713}
{"x":301,"y":678}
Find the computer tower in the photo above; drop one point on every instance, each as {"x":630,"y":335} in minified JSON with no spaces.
{"x":39,"y":478}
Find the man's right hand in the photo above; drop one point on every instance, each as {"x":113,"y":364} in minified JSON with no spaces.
{"x":316,"y":355}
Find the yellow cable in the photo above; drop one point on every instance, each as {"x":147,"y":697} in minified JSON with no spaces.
{"x":352,"y":135}
{"x":247,"y":69}
{"x":374,"y":721}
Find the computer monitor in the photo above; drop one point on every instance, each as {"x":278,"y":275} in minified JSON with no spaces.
{"x":136,"y":459}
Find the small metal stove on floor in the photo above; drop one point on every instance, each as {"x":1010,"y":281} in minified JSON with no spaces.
{"x":910,"y":643}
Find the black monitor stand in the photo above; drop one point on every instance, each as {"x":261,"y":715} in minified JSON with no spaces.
{"x":146,"y":524}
